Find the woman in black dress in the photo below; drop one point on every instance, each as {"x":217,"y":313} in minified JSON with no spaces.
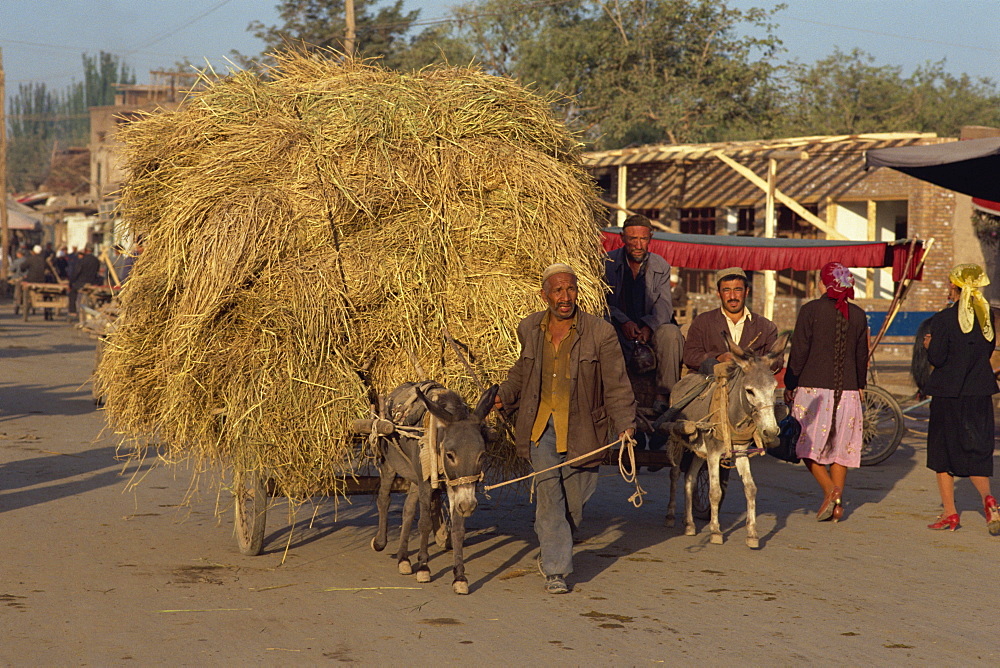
{"x":960,"y":435}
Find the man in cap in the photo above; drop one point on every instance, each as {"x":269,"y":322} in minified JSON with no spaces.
{"x":570,"y":390}
{"x":640,"y":304}
{"x":35,"y":269}
{"x":705,"y":345}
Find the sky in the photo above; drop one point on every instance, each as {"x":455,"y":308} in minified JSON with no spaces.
{"x":42,"y":40}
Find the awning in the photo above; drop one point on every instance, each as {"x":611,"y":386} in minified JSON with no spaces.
{"x":971,"y":167}
{"x":18,"y":220}
{"x":707,"y":251}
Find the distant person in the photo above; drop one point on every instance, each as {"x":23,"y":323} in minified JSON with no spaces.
{"x":827,"y":370}
{"x":128,"y":261}
{"x":86,"y":271}
{"x":35,"y":269}
{"x":960,"y":435}
{"x":704,"y":346}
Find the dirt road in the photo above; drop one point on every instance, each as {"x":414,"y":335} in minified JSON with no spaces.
{"x":102,"y":564}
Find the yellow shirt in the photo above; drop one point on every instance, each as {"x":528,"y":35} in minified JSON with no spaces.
{"x":556,"y":386}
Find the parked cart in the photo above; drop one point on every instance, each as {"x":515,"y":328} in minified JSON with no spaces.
{"x":46,"y":296}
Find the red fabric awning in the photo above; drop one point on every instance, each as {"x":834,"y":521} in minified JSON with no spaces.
{"x":706,"y":251}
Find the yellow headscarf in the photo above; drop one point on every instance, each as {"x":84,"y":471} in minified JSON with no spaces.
{"x":972,"y":305}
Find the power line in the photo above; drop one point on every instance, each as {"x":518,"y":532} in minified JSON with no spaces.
{"x":909,"y":38}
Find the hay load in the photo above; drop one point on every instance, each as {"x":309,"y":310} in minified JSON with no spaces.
{"x":337,"y":217}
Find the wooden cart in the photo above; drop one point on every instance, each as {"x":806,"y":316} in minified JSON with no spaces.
{"x":47,"y":296}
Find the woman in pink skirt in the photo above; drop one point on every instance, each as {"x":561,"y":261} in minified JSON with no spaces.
{"x":827,"y":370}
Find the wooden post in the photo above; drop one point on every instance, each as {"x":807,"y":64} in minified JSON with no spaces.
{"x":351,"y":33}
{"x":4,"y":230}
{"x":872,"y":236}
{"x":770,"y":276}
{"x":622,"y":194}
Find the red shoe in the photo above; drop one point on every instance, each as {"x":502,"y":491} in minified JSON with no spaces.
{"x":992,"y":516}
{"x":949,"y":523}
{"x":838,"y":511}
{"x":830,"y":503}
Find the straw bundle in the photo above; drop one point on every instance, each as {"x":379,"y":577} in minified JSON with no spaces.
{"x":337,"y":217}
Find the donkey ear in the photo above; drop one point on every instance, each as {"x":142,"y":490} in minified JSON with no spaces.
{"x":779,"y":346}
{"x":734,"y":348}
{"x":438,"y":411}
{"x":485,"y":404}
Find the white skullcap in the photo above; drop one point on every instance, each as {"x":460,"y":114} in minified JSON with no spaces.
{"x":36,"y":249}
{"x":557,"y":268}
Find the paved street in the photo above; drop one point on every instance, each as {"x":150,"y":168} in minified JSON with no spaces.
{"x":107,"y":563}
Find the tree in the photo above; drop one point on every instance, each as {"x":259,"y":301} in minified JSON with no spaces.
{"x":634,"y":71}
{"x":41,"y":119}
{"x":847,"y":93}
{"x":320,"y":24}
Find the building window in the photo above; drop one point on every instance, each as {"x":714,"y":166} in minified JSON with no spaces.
{"x":745,"y":221}
{"x":698,"y":221}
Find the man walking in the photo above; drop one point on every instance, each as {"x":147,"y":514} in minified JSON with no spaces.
{"x":570,"y":391}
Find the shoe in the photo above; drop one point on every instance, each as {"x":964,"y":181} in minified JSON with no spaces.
{"x":838,"y":511}
{"x":992,"y":516}
{"x":831,"y":501}
{"x":554,"y":584}
{"x":949,"y":523}
{"x":538,"y":562}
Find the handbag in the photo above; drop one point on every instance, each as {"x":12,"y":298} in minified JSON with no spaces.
{"x":788,"y":437}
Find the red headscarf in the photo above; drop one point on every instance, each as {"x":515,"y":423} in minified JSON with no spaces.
{"x":839,"y":282}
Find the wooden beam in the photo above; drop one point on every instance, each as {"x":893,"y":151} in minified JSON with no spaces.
{"x":770,"y":276}
{"x":810,"y":218}
{"x":622,"y":193}
{"x":872,"y":214}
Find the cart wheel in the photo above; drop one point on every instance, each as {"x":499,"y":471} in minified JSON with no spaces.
{"x":701,"y":505}
{"x":251,"y":512}
{"x":883,"y":426}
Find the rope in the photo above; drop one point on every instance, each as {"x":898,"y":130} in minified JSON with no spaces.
{"x":588,"y":455}
{"x":630,"y":472}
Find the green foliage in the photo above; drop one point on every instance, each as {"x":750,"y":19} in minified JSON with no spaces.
{"x":630,"y":72}
{"x":848,"y":93}
{"x":380,"y":32}
{"x":634,"y":71}
{"x":40,"y":119}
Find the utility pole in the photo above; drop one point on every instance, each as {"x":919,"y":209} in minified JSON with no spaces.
{"x":4,"y":230}
{"x":351,"y":35}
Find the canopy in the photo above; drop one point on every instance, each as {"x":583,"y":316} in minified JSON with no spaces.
{"x":707,"y":251}
{"x":18,"y":219}
{"x":971,"y":167}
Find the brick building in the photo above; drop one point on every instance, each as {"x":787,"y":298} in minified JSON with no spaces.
{"x":823,"y":191}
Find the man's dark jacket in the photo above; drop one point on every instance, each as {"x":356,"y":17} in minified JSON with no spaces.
{"x":86,"y":271}
{"x":34,"y":268}
{"x":601,"y":391}
{"x":659,"y":307}
{"x":704,"y":339}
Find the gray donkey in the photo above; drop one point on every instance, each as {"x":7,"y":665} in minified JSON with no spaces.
{"x":748,"y":384}
{"x":461,"y":451}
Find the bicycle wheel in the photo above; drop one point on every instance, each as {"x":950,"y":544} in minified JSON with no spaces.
{"x":883,"y":426}
{"x":701,"y":504}
{"x":251,"y":512}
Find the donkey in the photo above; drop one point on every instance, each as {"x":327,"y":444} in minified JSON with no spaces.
{"x":461,"y":447}
{"x":750,"y":387}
